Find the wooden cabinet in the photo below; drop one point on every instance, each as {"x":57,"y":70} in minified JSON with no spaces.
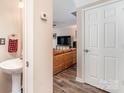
{"x":57,"y":63}
{"x":68,"y":59}
{"x":74,"y":53}
{"x":63,"y":61}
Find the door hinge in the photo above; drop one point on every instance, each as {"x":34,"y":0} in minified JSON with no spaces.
{"x":27,"y":64}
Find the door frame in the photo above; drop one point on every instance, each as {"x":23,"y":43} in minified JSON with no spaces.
{"x":28,"y":35}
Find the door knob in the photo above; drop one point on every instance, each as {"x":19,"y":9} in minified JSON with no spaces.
{"x":86,"y":50}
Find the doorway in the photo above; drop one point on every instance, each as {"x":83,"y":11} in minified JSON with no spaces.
{"x":65,"y":53}
{"x":64,"y":43}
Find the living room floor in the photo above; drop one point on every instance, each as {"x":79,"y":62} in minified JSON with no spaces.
{"x":65,"y":82}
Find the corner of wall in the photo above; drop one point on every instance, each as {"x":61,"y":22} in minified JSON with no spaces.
{"x":80,"y":46}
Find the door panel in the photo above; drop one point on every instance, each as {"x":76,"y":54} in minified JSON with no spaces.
{"x":93,"y":66}
{"x":111,"y":68}
{"x":93,"y":30}
{"x":93,"y":35}
{"x":110,"y":12}
{"x":92,"y":38}
{"x":110,"y":35}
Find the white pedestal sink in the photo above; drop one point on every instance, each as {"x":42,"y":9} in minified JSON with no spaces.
{"x":13,"y":67}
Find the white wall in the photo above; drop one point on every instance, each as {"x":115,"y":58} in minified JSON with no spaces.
{"x":9,"y":24}
{"x":62,"y":10}
{"x":65,"y":31}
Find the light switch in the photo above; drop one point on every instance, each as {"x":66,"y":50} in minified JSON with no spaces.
{"x":2,"y":41}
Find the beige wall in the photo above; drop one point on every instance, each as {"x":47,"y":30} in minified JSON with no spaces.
{"x":43,"y":74}
{"x":9,"y":24}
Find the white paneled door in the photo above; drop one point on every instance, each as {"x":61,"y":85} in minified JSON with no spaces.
{"x":104,"y":47}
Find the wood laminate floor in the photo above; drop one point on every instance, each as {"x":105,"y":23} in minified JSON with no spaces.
{"x":65,"y":82}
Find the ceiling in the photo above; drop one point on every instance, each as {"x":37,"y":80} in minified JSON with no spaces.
{"x":63,"y":13}
{"x":63,"y":9}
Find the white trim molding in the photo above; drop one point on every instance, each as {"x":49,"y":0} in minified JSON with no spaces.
{"x":80,"y":45}
{"x":79,"y":80}
{"x":99,"y":4}
{"x":28,"y":48}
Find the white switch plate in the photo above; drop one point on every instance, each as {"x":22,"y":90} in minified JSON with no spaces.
{"x":2,"y":41}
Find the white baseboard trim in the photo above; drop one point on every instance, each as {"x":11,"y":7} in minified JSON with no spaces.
{"x":79,"y":80}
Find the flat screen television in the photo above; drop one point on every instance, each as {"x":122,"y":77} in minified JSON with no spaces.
{"x":64,"y":40}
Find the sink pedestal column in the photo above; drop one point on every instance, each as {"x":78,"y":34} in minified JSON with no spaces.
{"x":16,"y":83}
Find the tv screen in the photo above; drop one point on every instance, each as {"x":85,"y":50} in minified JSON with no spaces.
{"x":64,"y":40}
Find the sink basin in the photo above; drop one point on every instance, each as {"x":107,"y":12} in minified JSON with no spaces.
{"x":14,"y":68}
